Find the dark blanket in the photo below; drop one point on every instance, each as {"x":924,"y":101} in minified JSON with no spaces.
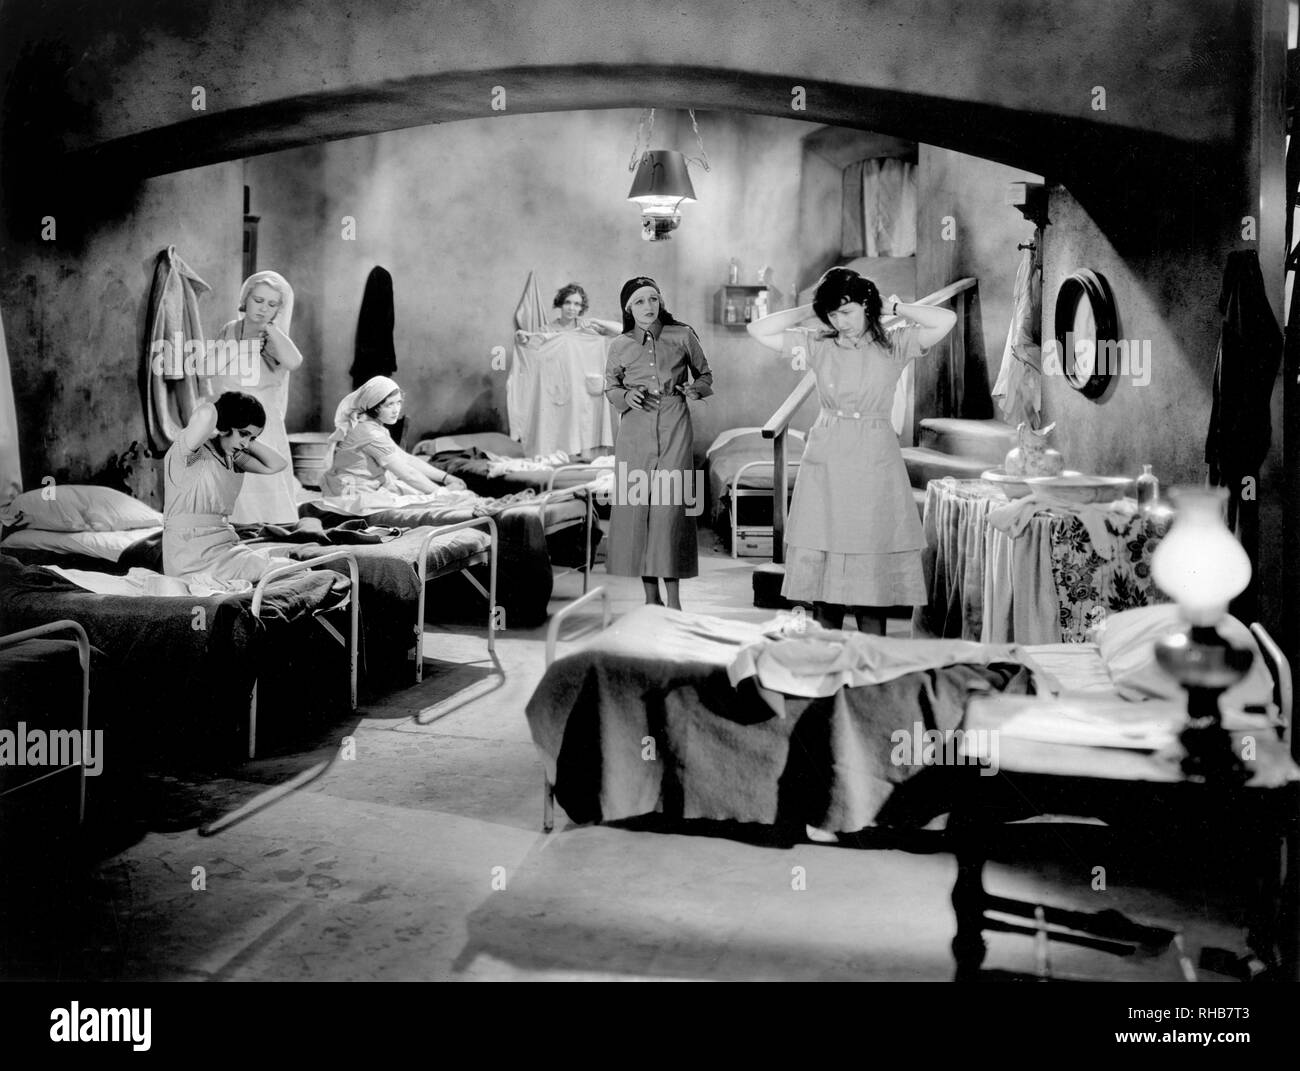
{"x":472,"y":466}
{"x":390,"y":588}
{"x":524,"y":577}
{"x":645,"y":719}
{"x":40,"y":688}
{"x":177,"y":659}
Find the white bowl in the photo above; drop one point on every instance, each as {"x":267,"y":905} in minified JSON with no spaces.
{"x":1075,"y":487}
{"x":1012,"y":486}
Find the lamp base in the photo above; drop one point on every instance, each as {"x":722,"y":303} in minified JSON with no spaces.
{"x":1209,"y":755}
{"x":1206,"y":665}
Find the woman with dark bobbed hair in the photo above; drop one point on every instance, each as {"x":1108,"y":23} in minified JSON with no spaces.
{"x":854,"y":539}
{"x":203,"y":472}
{"x":654,"y":367}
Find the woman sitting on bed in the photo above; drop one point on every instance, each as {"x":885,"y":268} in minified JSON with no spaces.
{"x":366,"y":463}
{"x":204,"y":471}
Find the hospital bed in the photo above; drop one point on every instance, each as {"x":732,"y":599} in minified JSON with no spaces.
{"x":643,"y":717}
{"x":740,"y":478}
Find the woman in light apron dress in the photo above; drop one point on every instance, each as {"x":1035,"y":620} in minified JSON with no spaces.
{"x":854,"y":539}
{"x":203,"y":472}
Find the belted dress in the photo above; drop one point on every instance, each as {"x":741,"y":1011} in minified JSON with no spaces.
{"x":658,"y":492}
{"x":853,"y":536}
{"x":200,"y":490}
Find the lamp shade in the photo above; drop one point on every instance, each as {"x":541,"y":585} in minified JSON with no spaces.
{"x":662,"y":180}
{"x":1200,"y":564}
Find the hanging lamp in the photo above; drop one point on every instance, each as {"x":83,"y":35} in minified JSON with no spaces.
{"x":662,"y":183}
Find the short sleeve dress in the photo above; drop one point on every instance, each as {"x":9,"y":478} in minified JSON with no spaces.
{"x":264,"y":499}
{"x":658,"y":492}
{"x":853,"y":537}
{"x":358,"y":464}
{"x":200,"y":491}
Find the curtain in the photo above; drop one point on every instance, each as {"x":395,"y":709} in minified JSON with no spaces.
{"x":879,"y":209}
{"x":11,"y":476}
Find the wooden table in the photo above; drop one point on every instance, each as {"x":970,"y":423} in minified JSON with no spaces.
{"x":1037,"y":778}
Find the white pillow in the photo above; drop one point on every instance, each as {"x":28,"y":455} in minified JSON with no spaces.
{"x":107,"y":545}
{"x":78,"y":508}
{"x":1126,"y":642}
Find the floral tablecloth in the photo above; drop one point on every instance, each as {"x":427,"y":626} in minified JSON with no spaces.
{"x":1052,"y":581}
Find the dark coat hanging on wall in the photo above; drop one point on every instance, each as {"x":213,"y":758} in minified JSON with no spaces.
{"x":1250,"y":349}
{"x":375,"y":354}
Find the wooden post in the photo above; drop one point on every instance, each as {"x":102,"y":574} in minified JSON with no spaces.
{"x":780,"y":497}
{"x":957,"y":370}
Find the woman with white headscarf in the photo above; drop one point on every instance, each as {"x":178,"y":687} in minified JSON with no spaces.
{"x":262,"y":332}
{"x":366,"y":465}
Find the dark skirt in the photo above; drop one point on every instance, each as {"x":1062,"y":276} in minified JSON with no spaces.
{"x":658,"y":494}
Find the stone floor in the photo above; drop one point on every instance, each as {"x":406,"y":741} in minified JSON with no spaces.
{"x":422,"y":857}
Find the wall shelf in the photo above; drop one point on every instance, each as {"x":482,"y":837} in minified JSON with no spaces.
{"x":739,"y":295}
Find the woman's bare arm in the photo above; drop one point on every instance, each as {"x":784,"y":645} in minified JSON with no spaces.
{"x":935,"y":322}
{"x":261,"y":459}
{"x":201,"y":428}
{"x":280,"y":348}
{"x":770,"y":328}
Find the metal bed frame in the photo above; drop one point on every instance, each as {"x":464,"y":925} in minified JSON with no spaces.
{"x":552,"y":637}
{"x":83,"y":655}
{"x":353,"y":601}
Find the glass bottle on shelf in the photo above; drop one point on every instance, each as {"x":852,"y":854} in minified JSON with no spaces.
{"x":749,"y":311}
{"x":1148,"y":490}
{"x":730,"y":316}
{"x":733,"y":272}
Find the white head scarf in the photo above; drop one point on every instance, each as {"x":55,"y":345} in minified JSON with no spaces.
{"x":350,"y":409}
{"x":284,"y":314}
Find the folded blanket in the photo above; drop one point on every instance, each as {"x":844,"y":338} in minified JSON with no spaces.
{"x":350,"y":533}
{"x":442,"y":507}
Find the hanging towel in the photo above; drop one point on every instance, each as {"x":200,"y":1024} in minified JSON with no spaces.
{"x":1250,"y":348}
{"x":170,"y":396}
{"x":524,"y":382}
{"x":1019,"y":389}
{"x":11,"y":476}
{"x":374,"y":354}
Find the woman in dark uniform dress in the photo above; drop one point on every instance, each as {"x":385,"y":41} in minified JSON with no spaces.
{"x":653,"y":369}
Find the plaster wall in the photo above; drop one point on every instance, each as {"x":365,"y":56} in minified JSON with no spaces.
{"x":74,"y":315}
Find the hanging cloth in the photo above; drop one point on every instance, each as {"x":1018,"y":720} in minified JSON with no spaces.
{"x":171,"y":393}
{"x":523,"y":384}
{"x":1019,"y":389}
{"x":374,"y":354}
{"x":11,"y":476}
{"x":1250,"y":349}
{"x":889,"y":208}
{"x":853,"y":196}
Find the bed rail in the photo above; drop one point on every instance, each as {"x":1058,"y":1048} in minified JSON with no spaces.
{"x":778,"y":426}
{"x":83,"y":655}
{"x":354,"y":601}
{"x":552,"y":637}
{"x":1280,"y":667}
{"x":422,"y":569}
